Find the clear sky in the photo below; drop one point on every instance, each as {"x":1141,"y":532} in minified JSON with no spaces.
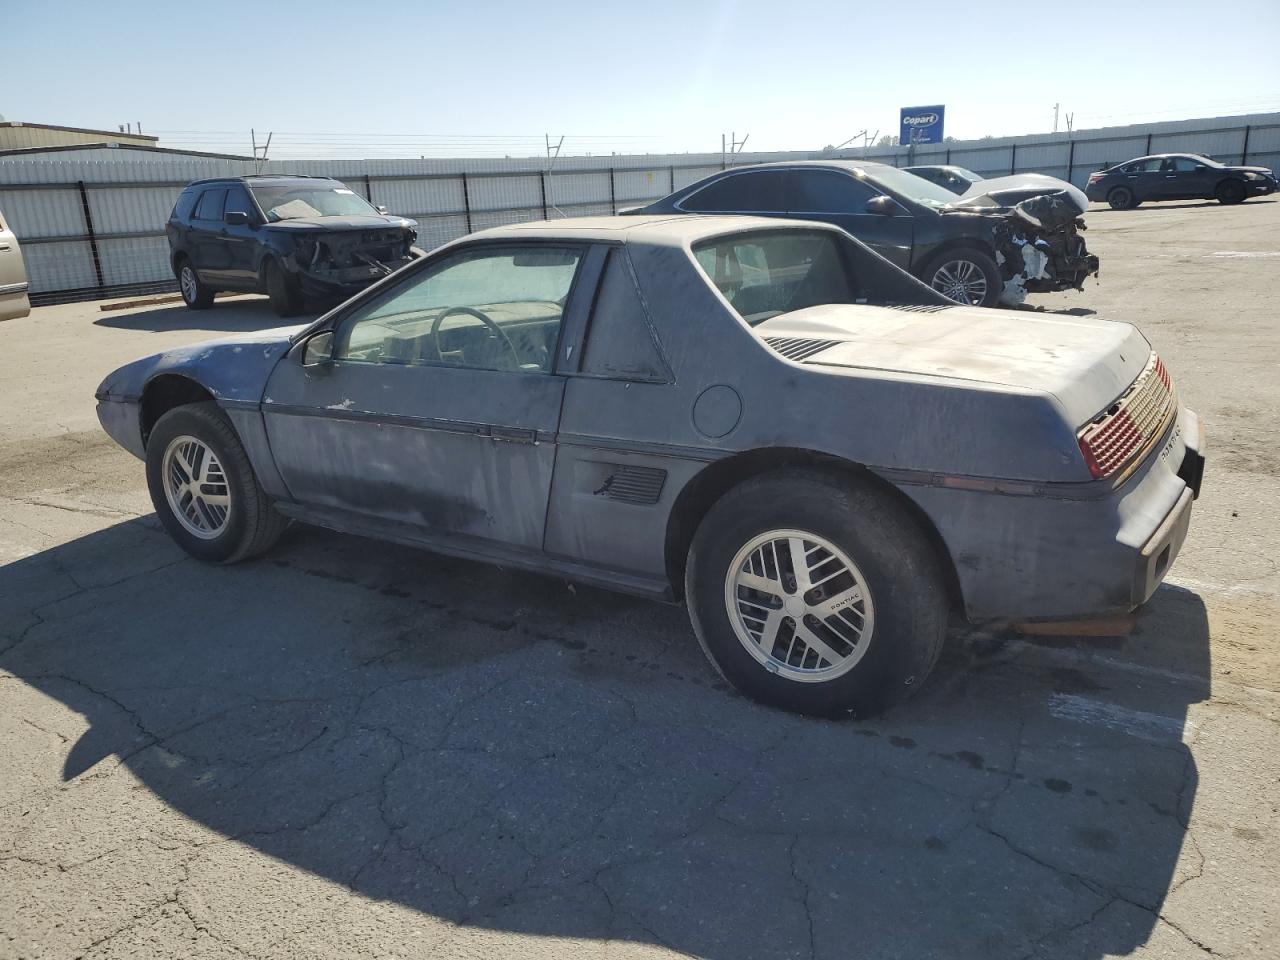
{"x":394,"y":78}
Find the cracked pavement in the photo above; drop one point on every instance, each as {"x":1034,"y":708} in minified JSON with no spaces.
{"x":350,"y":749}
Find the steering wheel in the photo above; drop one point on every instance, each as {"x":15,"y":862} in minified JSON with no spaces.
{"x":434,"y":328}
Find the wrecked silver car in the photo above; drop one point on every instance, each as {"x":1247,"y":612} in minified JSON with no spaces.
{"x":970,"y":249}
{"x":297,"y":239}
{"x":820,"y":455}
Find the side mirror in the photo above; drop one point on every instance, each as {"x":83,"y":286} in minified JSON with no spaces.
{"x":318,"y":351}
{"x":883,"y":206}
{"x":381,"y":209}
{"x":236,"y":218}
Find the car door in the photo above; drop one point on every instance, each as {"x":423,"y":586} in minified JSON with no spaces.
{"x":209,"y":252}
{"x":1146,"y":178}
{"x":1189,"y":179}
{"x":14,"y":301}
{"x":832,"y":196}
{"x":440,"y":406}
{"x":240,"y":239}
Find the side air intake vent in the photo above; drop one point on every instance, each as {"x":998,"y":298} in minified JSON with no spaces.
{"x":799,"y":348}
{"x":632,"y":484}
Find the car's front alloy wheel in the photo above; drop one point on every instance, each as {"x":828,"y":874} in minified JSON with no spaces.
{"x":204,"y":489}
{"x":961,"y":281}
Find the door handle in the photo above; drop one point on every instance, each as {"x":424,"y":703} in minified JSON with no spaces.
{"x":4,"y":246}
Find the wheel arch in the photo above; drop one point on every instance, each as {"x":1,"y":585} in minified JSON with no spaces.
{"x":706,"y":487}
{"x":165,"y":392}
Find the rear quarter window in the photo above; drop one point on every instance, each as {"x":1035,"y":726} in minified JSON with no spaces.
{"x":186,"y":203}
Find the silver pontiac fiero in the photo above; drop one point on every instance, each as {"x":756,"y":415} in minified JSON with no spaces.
{"x":763,"y":418}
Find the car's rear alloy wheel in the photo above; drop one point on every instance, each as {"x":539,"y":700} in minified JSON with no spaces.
{"x":1121,"y":198}
{"x":813,"y":591}
{"x":204,"y":489}
{"x":799,"y":605}
{"x":194,"y":293}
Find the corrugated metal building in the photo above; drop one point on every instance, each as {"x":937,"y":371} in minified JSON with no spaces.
{"x":16,"y":135}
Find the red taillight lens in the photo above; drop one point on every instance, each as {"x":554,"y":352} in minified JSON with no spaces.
{"x":1095,"y":177}
{"x":1113,"y":438}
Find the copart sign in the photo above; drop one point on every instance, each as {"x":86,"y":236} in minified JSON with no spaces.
{"x":920,"y":125}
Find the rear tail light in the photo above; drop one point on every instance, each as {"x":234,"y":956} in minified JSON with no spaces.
{"x":1095,"y":177}
{"x":1129,"y":426}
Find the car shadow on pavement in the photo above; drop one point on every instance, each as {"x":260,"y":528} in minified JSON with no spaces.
{"x":510,"y":753}
{"x":233,"y":316}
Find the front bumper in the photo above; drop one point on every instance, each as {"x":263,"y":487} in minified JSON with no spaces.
{"x":120,"y":418}
{"x":1062,"y":555}
{"x":345,"y":282}
{"x":1261,"y":188}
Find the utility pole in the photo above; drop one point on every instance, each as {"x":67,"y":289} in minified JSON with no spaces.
{"x":259,"y":159}
{"x":1055,"y":118}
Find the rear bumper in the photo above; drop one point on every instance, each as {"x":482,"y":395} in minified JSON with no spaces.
{"x":1057,"y":557}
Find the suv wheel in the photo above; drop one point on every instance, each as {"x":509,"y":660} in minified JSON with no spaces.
{"x":286,"y":298}
{"x":812,"y":593}
{"x":195,"y":294}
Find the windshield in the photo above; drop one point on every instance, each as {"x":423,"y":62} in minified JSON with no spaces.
{"x":909,"y":185}
{"x":291,"y":201}
{"x":765,"y":274}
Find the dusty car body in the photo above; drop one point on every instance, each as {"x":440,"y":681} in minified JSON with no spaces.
{"x":733,"y":411}
{"x":974,"y":250}
{"x":14,"y":302}
{"x":297,"y":239}
{"x":1178,"y":176}
{"x":1002,"y":191}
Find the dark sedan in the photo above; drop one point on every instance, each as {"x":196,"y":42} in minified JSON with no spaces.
{"x":1178,"y":176}
{"x":973,"y":250}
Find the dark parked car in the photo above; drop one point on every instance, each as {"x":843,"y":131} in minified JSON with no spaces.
{"x":972,"y":250}
{"x":293,"y":238}
{"x":819,"y":454}
{"x":1178,"y":176}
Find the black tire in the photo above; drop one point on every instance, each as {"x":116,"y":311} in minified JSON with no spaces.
{"x":980,"y":261}
{"x":1231,"y":192}
{"x":286,"y":298}
{"x":900,"y":568}
{"x":1122,"y":198}
{"x":195,"y":292}
{"x":252,"y":525}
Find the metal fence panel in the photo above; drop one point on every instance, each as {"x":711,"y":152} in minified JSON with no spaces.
{"x":108,"y":236}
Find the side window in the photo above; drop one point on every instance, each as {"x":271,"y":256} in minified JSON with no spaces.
{"x":238,"y":201}
{"x":755,"y":192}
{"x":1151,"y":166}
{"x":209,"y":206}
{"x":1184,"y":165}
{"x":186,"y":202}
{"x":826,"y":191}
{"x":484,"y":309}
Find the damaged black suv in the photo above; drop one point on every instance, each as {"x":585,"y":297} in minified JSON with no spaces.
{"x":297,"y":239}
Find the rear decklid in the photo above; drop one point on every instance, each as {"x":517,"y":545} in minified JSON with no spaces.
{"x":1084,"y":362}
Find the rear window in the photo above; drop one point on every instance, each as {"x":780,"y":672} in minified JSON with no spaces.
{"x":768,"y":273}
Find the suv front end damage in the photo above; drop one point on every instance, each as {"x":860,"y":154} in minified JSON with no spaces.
{"x":339,"y":263}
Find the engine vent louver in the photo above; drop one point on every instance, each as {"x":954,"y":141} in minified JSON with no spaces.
{"x":919,"y":307}
{"x":799,"y":348}
{"x":632,"y":484}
